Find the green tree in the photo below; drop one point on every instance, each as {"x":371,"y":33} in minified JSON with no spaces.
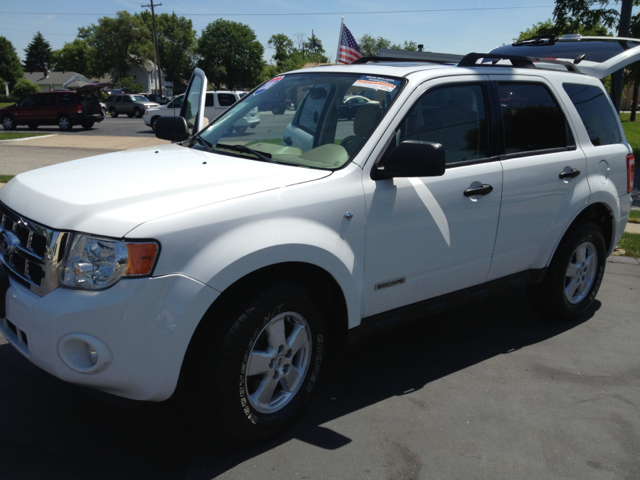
{"x":38,"y":54}
{"x":283,"y":47}
{"x":177,"y":42}
{"x":369,"y":45}
{"x":131,"y":84}
{"x":118,"y":43}
{"x":411,"y":46}
{"x":10,"y":66}
{"x":230,"y":54}
{"x":571,"y":15}
{"x":24,"y":87}
{"x":291,"y":55}
{"x":76,"y":56}
{"x":549,"y":28}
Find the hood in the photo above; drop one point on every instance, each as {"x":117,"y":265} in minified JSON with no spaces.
{"x":148,"y":104}
{"x":111,"y":194}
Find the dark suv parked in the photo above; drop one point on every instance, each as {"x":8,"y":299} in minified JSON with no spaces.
{"x":62,"y":108}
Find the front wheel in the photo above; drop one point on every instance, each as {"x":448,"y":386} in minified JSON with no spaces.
{"x":113,"y":112}
{"x":260,"y":372}
{"x":574,"y":276}
{"x":241,"y":129}
{"x":8,"y":123}
{"x":138,"y":113}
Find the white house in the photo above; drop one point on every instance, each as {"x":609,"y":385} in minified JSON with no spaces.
{"x":147,"y":75}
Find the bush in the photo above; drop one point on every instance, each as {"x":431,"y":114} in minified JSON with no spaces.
{"x":10,"y":99}
{"x":131,"y":84}
{"x":25,"y":87}
{"x":2,"y":86}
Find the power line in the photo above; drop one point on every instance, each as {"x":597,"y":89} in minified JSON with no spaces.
{"x":431,"y":10}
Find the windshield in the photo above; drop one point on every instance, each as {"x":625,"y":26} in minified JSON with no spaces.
{"x":303,"y":119}
{"x":139,"y":98}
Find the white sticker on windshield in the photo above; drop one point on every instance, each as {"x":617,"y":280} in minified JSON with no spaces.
{"x":268,"y":85}
{"x":377,"y":83}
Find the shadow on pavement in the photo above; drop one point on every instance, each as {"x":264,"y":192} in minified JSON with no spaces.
{"x":50,"y":430}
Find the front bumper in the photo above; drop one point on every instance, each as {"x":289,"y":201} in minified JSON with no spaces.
{"x":139,"y":330}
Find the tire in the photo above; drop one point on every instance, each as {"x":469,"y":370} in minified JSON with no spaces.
{"x":32,"y":126}
{"x":275,"y":345}
{"x":87,"y":125}
{"x":240,"y":129}
{"x":574,"y":276}
{"x":8,"y":123}
{"x":113,"y":112}
{"x":153,"y":123}
{"x":64,"y":123}
{"x":130,"y":115}
{"x":137,"y":113}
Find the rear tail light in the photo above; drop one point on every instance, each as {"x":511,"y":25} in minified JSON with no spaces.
{"x":79,"y":108}
{"x":631,"y":170}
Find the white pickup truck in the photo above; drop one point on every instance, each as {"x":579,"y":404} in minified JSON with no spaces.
{"x":237,"y":264}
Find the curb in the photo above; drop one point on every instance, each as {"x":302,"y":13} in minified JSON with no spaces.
{"x":28,"y":138}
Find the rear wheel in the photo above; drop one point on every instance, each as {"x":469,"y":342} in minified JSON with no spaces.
{"x":64,"y":123}
{"x":8,"y":123}
{"x":87,"y":125}
{"x":113,"y":112}
{"x":137,"y":113}
{"x":274,"y":345}
{"x":574,"y":276}
{"x":153,"y":123}
{"x":241,"y":129}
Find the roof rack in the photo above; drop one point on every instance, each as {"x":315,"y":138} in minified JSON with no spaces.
{"x":516,"y":60}
{"x":388,"y":54}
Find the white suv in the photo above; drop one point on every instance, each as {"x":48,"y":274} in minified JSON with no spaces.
{"x":236,"y":262}
{"x":215,"y":104}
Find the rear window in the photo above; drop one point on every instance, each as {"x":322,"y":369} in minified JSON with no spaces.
{"x":226,"y":99}
{"x":531,"y":118}
{"x":67,"y":98}
{"x":595,"y":112}
{"x":209,"y":100}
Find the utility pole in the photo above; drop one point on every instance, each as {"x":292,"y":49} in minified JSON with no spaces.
{"x":155,"y":42}
{"x":617,"y":79}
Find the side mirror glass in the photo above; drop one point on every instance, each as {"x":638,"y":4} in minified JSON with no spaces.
{"x":412,"y":158}
{"x":172,"y":128}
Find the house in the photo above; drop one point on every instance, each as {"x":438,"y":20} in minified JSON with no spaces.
{"x":56,"y":80}
{"x":147,"y":75}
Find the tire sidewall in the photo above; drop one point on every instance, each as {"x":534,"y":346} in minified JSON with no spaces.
{"x":244,"y":422}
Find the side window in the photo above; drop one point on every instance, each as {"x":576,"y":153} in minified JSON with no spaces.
{"x":595,"y":112}
{"x":110,"y":99}
{"x":27,"y":101}
{"x":126,"y":99}
{"x":208,"y":101}
{"x":67,"y":98}
{"x":118,"y":98}
{"x":454,"y":116}
{"x":46,"y":99}
{"x":531,"y":118}
{"x":226,"y":99}
{"x":311,"y":109}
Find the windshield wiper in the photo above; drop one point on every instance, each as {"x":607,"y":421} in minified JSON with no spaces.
{"x":207,"y":145}
{"x":263,"y":156}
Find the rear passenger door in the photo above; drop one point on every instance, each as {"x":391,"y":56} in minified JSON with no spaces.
{"x":46,"y":108}
{"x":430,"y":236}
{"x":545,"y":175}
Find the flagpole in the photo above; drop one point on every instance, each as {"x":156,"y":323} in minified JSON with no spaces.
{"x":339,"y":40}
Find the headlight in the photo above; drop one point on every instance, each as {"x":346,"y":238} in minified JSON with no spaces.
{"x":94,"y":263}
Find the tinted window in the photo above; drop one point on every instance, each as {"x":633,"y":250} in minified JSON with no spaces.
{"x":311,"y":109}
{"x":126,"y":99}
{"x":27,"y":101}
{"x":176,"y":102}
{"x":208,"y":102}
{"x":46,"y":99}
{"x":595,"y":111}
{"x":226,"y":99}
{"x":119,"y":98}
{"x":453,"y":116}
{"x":111,"y":98}
{"x":531,"y":118}
{"x":67,"y":98}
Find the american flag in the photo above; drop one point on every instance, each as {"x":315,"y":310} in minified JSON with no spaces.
{"x":349,"y":50}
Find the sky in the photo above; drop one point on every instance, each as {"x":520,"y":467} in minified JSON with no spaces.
{"x":456,"y":26}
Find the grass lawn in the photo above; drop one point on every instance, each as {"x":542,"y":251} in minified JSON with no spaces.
{"x":630,"y":243}
{"x":14,"y":135}
{"x":5,"y":178}
{"x":634,"y":216}
{"x":632,"y":132}
{"x":5,"y":104}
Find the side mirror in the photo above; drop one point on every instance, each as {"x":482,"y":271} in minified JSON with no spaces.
{"x":412,"y":158}
{"x":172,"y":128}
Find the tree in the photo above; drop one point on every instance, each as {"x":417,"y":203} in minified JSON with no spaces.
{"x":118,"y":43}
{"x":76,"y":56}
{"x":291,"y":55}
{"x":571,"y":15}
{"x":284,"y":48}
{"x":549,"y":28}
{"x":10,"y":67}
{"x":38,"y":54}
{"x":411,"y":46}
{"x":230,"y":54}
{"x":131,"y":84}
{"x":24,"y":87}
{"x":369,"y":45}
{"x":177,"y":41}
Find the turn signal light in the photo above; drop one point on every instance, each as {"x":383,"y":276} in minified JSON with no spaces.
{"x":631,"y":171}
{"x":142,"y":257}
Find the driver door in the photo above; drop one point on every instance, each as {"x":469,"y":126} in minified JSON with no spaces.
{"x":193,"y":106}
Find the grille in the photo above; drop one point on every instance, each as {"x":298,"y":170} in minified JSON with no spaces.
{"x":33,"y":253}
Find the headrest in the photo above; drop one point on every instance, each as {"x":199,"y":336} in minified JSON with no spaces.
{"x":367,"y":116}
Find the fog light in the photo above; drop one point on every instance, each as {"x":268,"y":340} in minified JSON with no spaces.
{"x":84,"y":353}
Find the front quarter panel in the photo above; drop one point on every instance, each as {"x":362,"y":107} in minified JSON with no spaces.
{"x":220,"y":244}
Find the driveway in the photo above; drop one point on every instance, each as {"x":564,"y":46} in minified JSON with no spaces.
{"x":485,"y":392}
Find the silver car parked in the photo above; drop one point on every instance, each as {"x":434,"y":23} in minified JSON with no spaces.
{"x":131,"y":105}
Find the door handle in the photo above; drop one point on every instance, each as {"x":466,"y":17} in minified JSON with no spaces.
{"x":483,"y":190}
{"x":287,"y":140}
{"x":571,"y":174}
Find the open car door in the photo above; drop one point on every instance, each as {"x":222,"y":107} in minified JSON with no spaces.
{"x":602,"y":55}
{"x":193,"y":106}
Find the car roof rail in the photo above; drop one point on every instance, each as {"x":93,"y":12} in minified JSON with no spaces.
{"x":518,"y":61}
{"x":393,"y":55}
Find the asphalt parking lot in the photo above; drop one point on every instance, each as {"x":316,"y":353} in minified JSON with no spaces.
{"x":489,"y":391}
